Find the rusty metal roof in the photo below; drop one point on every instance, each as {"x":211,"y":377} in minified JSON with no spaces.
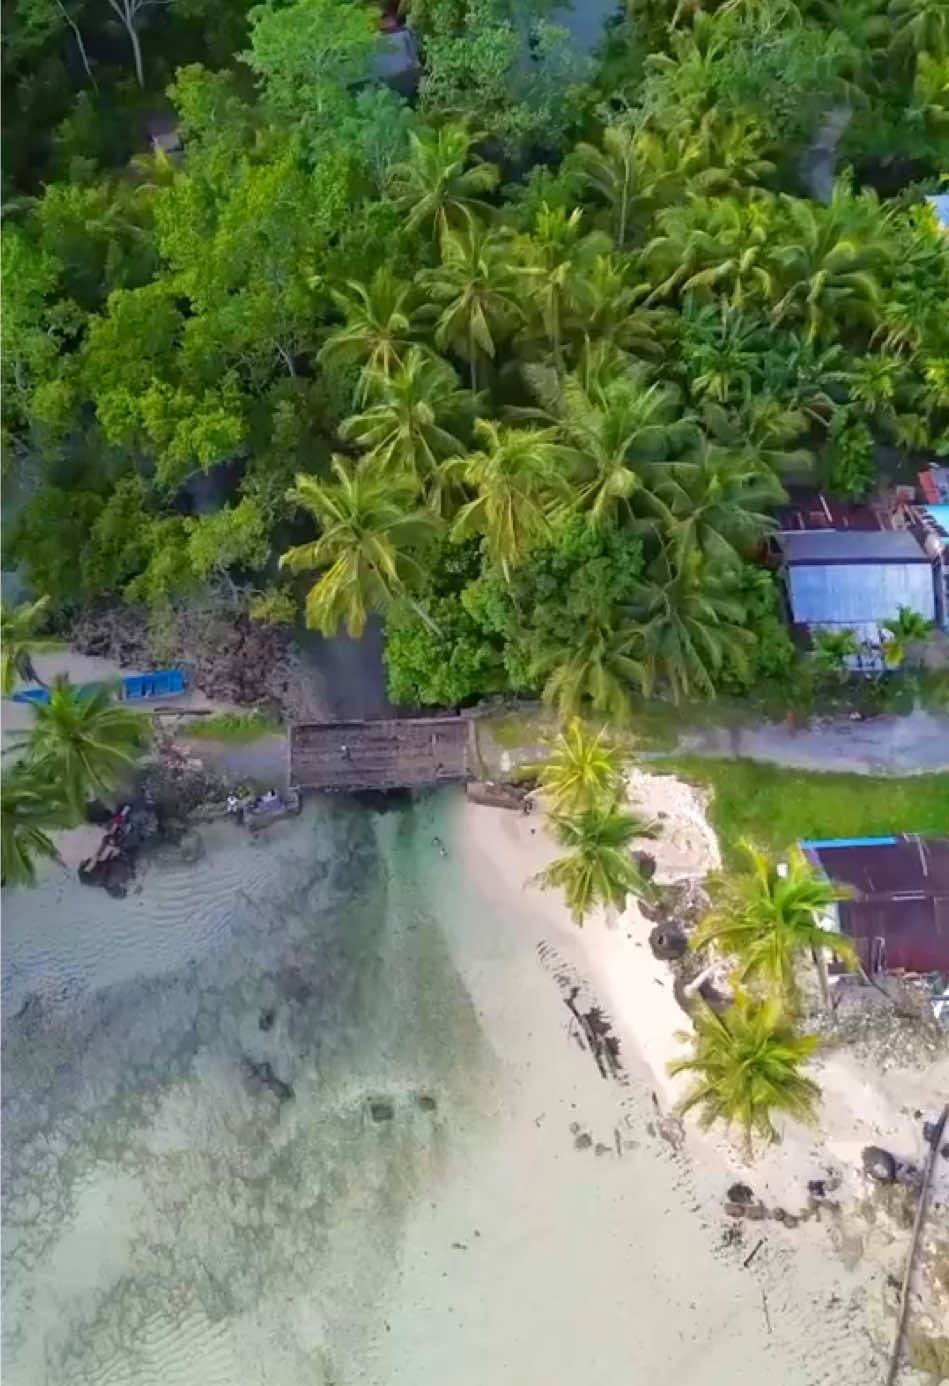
{"x":899,"y":916}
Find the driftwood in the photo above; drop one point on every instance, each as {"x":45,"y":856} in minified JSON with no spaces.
{"x":935,"y":1140}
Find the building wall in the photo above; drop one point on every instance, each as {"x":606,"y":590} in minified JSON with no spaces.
{"x":859,"y":593}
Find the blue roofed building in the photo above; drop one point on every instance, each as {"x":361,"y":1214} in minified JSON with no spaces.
{"x":856,"y":578}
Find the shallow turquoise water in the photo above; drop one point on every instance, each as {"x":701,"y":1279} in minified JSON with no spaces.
{"x":167,"y":1218}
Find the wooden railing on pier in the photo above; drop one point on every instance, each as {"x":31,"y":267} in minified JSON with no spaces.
{"x":404,"y":753}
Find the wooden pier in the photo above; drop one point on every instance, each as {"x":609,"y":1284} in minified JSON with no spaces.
{"x":405,"y":753}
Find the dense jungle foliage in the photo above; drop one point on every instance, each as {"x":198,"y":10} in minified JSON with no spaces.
{"x":520,"y":361}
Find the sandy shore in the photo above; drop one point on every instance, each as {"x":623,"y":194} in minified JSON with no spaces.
{"x":539,"y":1260}
{"x":574,"y":1240}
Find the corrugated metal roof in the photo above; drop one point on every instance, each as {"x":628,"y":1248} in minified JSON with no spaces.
{"x":859,"y":594}
{"x":899,"y":917}
{"x":852,"y":546}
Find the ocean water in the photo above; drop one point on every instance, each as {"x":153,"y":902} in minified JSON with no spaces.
{"x":167,"y":1218}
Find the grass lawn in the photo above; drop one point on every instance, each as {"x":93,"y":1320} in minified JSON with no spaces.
{"x":774,"y":806}
{"x":232,"y":726}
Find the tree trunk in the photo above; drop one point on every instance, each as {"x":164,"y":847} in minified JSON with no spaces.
{"x":473,"y":361}
{"x":79,"y":43}
{"x":136,"y":48}
{"x":821,"y":965}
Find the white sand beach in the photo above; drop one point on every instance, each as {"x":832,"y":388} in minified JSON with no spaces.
{"x":573,"y":1241}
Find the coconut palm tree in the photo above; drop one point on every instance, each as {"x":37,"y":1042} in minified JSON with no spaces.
{"x":441,"y":182}
{"x":380,"y":324}
{"x":833,"y":648}
{"x":719,"y":503}
{"x":826,"y":266}
{"x":771,"y":914}
{"x":684,"y":619}
{"x":763,"y":433}
{"x":615,"y":423}
{"x":612,"y":172}
{"x":747,"y":1066}
{"x":713,"y":247}
{"x":605,"y":310}
{"x":518,"y":474}
{"x":404,"y":428}
{"x":907,"y":628}
{"x":29,"y":810}
{"x":364,"y":549}
{"x":17,"y":638}
{"x":477,"y":290}
{"x":584,"y":768}
{"x":598,"y":869}
{"x":84,"y":742}
{"x":594,"y":668}
{"x":920,"y":26}
{"x":555,"y":261}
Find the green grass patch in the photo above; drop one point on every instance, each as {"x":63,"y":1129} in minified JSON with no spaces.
{"x":232,"y":726}
{"x":774,"y":806}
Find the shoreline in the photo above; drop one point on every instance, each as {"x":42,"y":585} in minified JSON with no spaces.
{"x":860,"y":1105}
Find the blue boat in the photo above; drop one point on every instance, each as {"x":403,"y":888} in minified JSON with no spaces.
{"x":134,"y":688}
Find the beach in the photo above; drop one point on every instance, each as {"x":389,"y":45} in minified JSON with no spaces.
{"x":452,"y":1193}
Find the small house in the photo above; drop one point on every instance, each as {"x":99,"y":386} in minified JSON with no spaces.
{"x":898,"y":917}
{"x":856,"y":578}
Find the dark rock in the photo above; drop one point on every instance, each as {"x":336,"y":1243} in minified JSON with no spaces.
{"x":265,"y":1075}
{"x":583,"y":1141}
{"x":381,"y":1109}
{"x":667,"y":942}
{"x":426,"y":1102}
{"x":646,"y":863}
{"x":879,"y":1164}
{"x":267,"y":1018}
{"x":817,"y":1187}
{"x":740,"y":1193}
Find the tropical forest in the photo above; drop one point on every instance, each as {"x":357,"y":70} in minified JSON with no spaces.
{"x":516,"y":356}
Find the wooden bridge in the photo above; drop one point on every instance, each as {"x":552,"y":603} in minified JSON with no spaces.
{"x":404,"y":753}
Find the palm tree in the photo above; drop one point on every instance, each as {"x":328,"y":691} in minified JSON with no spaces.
{"x":29,"y":809}
{"x":605,"y":309}
{"x":772,"y":913}
{"x":719,"y":504}
{"x":404,"y":430}
{"x":17,"y":628}
{"x":763,"y":433}
{"x":713,"y":247}
{"x":582,"y":770}
{"x":556,"y":258}
{"x":613,"y":173}
{"x":920,"y":26}
{"x":518,"y":475}
{"x":599,"y":869}
{"x":593,"y":666}
{"x":441,"y":182}
{"x":84,"y":742}
{"x":907,"y":628}
{"x":826,"y":265}
{"x":833,"y":648}
{"x":367,"y":530}
{"x":379,"y":327}
{"x":616,"y":424}
{"x":747,"y":1067}
{"x":685,"y":620}
{"x":477,"y":288}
